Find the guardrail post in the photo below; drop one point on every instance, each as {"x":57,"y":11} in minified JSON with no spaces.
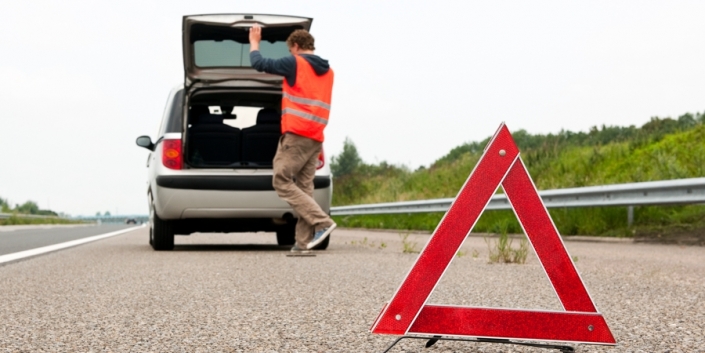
{"x":630,"y":215}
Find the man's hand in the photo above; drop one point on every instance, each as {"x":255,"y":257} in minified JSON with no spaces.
{"x":255,"y":37}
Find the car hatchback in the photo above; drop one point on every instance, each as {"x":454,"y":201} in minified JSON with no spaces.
{"x":210,"y":169}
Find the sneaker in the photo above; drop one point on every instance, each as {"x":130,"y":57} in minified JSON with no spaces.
{"x":297,"y":249}
{"x":320,"y":236}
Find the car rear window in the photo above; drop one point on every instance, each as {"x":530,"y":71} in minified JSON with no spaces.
{"x":229,"y":53}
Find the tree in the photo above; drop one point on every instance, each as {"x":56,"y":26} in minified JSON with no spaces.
{"x":106,"y":214}
{"x":4,"y":205}
{"x":29,"y":207}
{"x":686,"y":121}
{"x":347,"y":161}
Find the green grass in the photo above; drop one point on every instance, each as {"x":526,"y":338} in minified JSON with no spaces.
{"x":645,"y":155}
{"x":602,"y":221}
{"x":14,"y":220}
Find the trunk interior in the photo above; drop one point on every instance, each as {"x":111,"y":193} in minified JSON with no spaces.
{"x":232,"y":128}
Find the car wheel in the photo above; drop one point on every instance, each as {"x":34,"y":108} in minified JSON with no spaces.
{"x":162,"y":233}
{"x":286,"y":234}
{"x":151,"y":222}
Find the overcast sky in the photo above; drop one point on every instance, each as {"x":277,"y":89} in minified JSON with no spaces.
{"x":81,"y":80}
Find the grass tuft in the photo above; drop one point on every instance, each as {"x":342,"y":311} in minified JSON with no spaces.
{"x":408,"y":247}
{"x":501,"y":250}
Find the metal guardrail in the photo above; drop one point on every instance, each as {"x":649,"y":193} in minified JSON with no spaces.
{"x":664,"y":192}
{"x":113,"y":219}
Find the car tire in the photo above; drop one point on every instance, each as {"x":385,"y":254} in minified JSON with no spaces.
{"x":162,"y":234}
{"x":286,"y":234}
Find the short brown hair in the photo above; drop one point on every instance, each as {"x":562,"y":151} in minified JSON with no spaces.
{"x":302,"y":38}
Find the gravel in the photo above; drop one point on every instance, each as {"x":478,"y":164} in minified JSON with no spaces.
{"x":241,"y":293}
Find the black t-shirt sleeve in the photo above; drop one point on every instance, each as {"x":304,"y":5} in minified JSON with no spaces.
{"x":285,"y":66}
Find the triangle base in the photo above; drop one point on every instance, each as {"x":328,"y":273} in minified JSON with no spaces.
{"x":558,"y":326}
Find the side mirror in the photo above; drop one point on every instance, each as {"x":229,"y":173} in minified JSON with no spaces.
{"x":146,"y":142}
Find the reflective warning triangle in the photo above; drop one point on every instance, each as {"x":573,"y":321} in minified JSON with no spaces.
{"x":408,"y":312}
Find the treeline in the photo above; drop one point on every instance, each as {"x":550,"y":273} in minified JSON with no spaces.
{"x":29,"y":207}
{"x":661,"y":149}
{"x":538,"y":152}
{"x":551,"y":145}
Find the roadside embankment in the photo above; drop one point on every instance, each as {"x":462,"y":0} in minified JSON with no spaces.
{"x":15,"y":220}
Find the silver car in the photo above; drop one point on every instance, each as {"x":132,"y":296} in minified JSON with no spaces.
{"x":210,"y":169}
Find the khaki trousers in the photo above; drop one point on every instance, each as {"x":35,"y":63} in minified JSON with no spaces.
{"x":294,"y":170}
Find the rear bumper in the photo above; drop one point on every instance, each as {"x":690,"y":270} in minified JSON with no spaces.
{"x":188,"y":197}
{"x":228,"y":183}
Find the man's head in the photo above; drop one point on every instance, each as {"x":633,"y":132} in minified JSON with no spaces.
{"x":300,"y":42}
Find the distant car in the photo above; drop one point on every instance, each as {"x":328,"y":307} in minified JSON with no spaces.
{"x":130,"y":221}
{"x":210,"y":169}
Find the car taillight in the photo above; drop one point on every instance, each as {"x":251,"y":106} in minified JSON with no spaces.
{"x":171,"y":154}
{"x":321,"y":160}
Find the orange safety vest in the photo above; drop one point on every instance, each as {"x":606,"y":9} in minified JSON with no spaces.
{"x":306,"y":105}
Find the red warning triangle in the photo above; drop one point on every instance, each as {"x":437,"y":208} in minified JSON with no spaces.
{"x":408,"y":312}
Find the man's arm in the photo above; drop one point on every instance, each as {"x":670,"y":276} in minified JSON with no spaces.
{"x":285,"y":66}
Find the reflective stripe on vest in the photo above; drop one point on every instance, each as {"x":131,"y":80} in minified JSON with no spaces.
{"x":306,"y":105}
{"x":306,"y":101}
{"x":305,"y":115}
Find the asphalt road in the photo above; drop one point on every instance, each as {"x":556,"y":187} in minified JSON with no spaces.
{"x":241,"y":293}
{"x":26,"y":239}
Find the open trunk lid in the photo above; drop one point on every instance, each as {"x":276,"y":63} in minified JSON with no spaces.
{"x":216,"y":47}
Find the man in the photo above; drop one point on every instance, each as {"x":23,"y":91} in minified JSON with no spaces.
{"x":307,"y":89}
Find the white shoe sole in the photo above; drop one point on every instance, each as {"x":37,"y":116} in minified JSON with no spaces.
{"x":325,"y":235}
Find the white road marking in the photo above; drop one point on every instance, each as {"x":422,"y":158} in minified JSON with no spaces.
{"x":55,"y":247}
